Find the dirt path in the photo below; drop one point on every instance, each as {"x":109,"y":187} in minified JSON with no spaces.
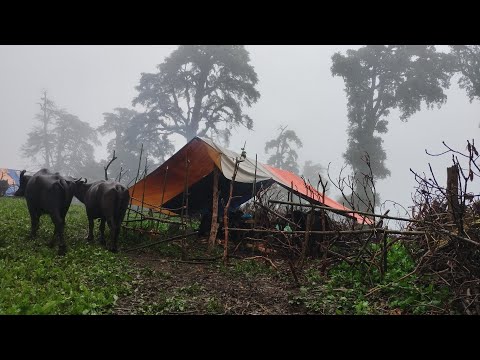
{"x":166,"y":286}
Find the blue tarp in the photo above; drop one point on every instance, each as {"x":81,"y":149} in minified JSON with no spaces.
{"x":12,"y":176}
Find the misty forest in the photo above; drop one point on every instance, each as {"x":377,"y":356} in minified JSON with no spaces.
{"x":230,"y":183}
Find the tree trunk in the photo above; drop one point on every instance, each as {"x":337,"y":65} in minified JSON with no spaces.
{"x":191,"y":131}
{"x":45,"y":132}
{"x":192,"y":128}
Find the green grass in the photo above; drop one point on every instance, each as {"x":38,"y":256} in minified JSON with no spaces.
{"x":89,"y":279}
{"x":345,"y":289}
{"x":178,"y":301}
{"x":214,"y":306}
{"x":247,"y":269}
{"x":35,"y":280}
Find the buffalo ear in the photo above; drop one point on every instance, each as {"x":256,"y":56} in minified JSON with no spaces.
{"x":85,"y":181}
{"x":23,"y":172}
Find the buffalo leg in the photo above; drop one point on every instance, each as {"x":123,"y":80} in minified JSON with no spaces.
{"x":35,"y":224}
{"x":35,"y":219}
{"x":51,"y":243}
{"x":59,"y":234}
{"x":113,"y":235}
{"x":90,"y":229}
{"x":102,"y":231}
{"x":62,"y":246}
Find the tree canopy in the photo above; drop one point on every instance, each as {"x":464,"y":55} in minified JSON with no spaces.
{"x":125,"y":124}
{"x":199,"y":90}
{"x":74,"y":140}
{"x":379,"y":78}
{"x":284,"y":155}
{"x":62,"y":142}
{"x":468,"y":65}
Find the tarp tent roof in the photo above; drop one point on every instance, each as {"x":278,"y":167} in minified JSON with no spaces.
{"x":169,"y":180}
{"x":291,"y":181}
{"x":12,"y":178}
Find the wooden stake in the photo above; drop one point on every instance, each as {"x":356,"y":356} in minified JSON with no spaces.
{"x":144,"y":182}
{"x":385,"y":254}
{"x":308,"y":226}
{"x":225,"y":210}
{"x":184,"y":206}
{"x":214,"y":225}
{"x":452,"y":196}
{"x":134,"y":186}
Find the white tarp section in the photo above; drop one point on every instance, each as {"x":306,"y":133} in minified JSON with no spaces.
{"x":246,"y":170}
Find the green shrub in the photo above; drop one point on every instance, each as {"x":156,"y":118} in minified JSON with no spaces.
{"x":345,"y":289}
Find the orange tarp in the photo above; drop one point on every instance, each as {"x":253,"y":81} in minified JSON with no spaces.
{"x":202,"y":159}
{"x":289,"y":180}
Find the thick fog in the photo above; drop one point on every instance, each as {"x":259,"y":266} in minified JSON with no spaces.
{"x":296,"y":86}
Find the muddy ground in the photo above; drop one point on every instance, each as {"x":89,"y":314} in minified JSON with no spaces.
{"x":248,"y":285}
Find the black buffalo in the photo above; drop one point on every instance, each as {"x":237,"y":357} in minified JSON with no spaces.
{"x":48,"y":193}
{"x":107,"y":201}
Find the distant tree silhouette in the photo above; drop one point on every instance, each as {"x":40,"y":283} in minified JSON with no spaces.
{"x":379,"y":78}
{"x":126,"y":125}
{"x":311,"y":171}
{"x":284,"y":156}
{"x":62,"y":142}
{"x":468,"y":65}
{"x":41,"y":139}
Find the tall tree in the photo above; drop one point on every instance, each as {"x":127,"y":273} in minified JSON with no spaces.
{"x":379,"y":78}
{"x":127,"y":124}
{"x":199,"y":90}
{"x":468,"y":64}
{"x":74,"y":151}
{"x":62,"y":142}
{"x":117,"y":123}
{"x":40,"y":142}
{"x":284,"y":155}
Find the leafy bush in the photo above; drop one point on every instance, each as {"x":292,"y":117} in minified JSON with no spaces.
{"x":345,"y":289}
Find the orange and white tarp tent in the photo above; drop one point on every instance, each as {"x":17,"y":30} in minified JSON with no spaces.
{"x":192,"y":167}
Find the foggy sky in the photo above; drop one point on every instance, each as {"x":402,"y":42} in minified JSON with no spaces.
{"x":296,"y":87}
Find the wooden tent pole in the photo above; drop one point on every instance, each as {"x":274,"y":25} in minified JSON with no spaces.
{"x":214,"y":225}
{"x":254,"y":195}
{"x":163,"y":193}
{"x":184,"y":206}
{"x":144,"y":182}
{"x":134,"y":186}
